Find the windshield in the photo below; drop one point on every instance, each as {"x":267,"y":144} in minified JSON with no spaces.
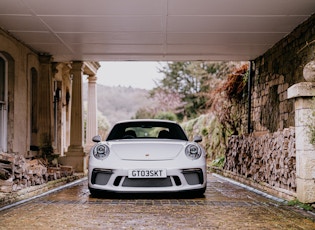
{"x":155,"y":130}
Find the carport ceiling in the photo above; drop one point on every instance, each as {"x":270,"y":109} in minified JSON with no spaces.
{"x":101,"y":30}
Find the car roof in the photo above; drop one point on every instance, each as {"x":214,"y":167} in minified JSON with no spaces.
{"x":146,"y":120}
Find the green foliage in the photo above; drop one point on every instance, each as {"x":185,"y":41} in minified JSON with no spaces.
{"x":205,"y":132}
{"x":299,"y":204}
{"x":166,"y":116}
{"x":214,"y":138}
{"x":193,"y":82}
{"x":143,"y":113}
{"x":224,"y":118}
{"x":181,"y":77}
{"x":189,"y":127}
{"x":227,"y":99}
{"x":218,"y":162}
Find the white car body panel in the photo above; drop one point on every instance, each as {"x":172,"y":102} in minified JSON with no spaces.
{"x":146,"y":149}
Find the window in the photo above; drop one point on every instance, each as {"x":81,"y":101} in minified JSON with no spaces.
{"x":3,"y":104}
{"x":2,"y":80}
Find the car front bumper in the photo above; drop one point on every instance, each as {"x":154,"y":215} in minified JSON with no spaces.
{"x":177,"y":179}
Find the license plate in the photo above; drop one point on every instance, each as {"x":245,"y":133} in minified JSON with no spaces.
{"x":147,"y":173}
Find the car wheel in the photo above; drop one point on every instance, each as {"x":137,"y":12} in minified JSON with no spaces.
{"x":95,"y":192}
{"x":200,"y":193}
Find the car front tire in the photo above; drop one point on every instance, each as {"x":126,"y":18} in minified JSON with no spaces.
{"x":95,"y":192}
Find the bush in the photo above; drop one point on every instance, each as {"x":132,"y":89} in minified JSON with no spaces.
{"x":143,"y":113}
{"x":166,"y":116}
{"x":219,"y":162}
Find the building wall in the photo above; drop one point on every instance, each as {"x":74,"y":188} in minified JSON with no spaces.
{"x":20,"y":62}
{"x":31,"y":116}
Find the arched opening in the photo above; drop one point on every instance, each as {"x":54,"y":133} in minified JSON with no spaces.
{"x":3,"y":103}
{"x":34,"y":110}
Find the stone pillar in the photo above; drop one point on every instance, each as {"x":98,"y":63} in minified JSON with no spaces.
{"x":303,"y":94}
{"x":91,"y":124}
{"x":76,"y":156}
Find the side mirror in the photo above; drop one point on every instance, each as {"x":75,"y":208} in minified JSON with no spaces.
{"x":97,"y":139}
{"x":198,"y":139}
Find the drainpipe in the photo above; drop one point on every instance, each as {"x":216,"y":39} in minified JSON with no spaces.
{"x":249,"y":129}
{"x":56,"y":100}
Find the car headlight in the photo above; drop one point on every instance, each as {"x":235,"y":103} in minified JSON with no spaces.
{"x":101,"y":151}
{"x":193,"y":151}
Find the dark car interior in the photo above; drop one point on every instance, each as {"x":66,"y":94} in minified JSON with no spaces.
{"x":152,"y":130}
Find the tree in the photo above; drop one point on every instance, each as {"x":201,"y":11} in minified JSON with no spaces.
{"x":193,"y":83}
{"x":227,"y":98}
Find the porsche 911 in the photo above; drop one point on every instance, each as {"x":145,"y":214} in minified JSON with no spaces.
{"x":147,"y":156}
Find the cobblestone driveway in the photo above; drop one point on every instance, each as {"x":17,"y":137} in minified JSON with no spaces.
{"x":225,"y":206}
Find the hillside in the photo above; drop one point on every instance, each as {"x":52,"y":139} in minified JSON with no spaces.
{"x":119,"y":103}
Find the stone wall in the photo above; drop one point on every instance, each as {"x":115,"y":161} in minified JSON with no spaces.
{"x":268,"y":158}
{"x":271,"y":109}
{"x":269,"y":154}
{"x":274,"y":72}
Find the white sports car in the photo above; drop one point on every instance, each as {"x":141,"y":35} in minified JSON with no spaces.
{"x":145,"y":156}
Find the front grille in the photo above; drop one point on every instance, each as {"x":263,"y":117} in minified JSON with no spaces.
{"x":101,"y":176}
{"x":193,"y":176}
{"x":147,"y":182}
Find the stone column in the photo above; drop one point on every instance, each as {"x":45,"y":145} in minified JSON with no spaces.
{"x":76,"y":156}
{"x":303,"y":94}
{"x":91,"y":124}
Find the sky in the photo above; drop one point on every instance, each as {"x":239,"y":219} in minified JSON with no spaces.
{"x":135,"y":74}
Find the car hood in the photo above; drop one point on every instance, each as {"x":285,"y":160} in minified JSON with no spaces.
{"x":147,"y":150}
